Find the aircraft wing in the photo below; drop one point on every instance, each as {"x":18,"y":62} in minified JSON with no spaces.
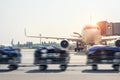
{"x":109,"y":38}
{"x":57,"y":38}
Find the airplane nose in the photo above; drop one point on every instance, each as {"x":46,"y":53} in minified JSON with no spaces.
{"x":92,"y":36}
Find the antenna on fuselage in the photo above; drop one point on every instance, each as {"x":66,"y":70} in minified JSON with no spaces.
{"x":90,"y":19}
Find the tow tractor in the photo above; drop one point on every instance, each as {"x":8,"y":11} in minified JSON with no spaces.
{"x":103,"y":54}
{"x":10,"y":56}
{"x":51,"y":55}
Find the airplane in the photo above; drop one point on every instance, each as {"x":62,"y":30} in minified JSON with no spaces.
{"x":91,"y":35}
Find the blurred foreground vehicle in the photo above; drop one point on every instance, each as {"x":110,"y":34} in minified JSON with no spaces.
{"x":10,"y":56}
{"x":101,"y":54}
{"x":51,"y":55}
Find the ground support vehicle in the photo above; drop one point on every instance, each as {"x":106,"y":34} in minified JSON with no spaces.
{"x":51,"y":55}
{"x":102,"y":54}
{"x":11,"y":57}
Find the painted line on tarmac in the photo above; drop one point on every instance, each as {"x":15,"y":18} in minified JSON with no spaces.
{"x":77,"y":65}
{"x":27,"y":65}
{"x":55,"y":64}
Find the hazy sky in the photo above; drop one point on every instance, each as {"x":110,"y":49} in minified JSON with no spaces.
{"x":52,"y":17}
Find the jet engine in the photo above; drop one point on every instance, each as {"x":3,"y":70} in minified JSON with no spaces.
{"x":117,"y":43}
{"x":64,"y":43}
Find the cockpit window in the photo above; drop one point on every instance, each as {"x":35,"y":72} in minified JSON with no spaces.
{"x":91,"y":27}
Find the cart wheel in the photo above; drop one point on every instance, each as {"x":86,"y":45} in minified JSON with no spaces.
{"x":13,"y":67}
{"x":63,"y":67}
{"x":43,"y":67}
{"x":116,"y":67}
{"x":94,"y":67}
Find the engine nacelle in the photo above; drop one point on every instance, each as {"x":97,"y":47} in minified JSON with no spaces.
{"x":117,"y":43}
{"x":64,"y":43}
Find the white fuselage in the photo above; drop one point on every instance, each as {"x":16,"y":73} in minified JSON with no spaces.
{"x":91,"y":34}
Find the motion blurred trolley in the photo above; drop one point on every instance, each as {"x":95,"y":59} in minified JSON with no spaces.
{"x":101,"y":54}
{"x":10,"y":56}
{"x":51,"y":55}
